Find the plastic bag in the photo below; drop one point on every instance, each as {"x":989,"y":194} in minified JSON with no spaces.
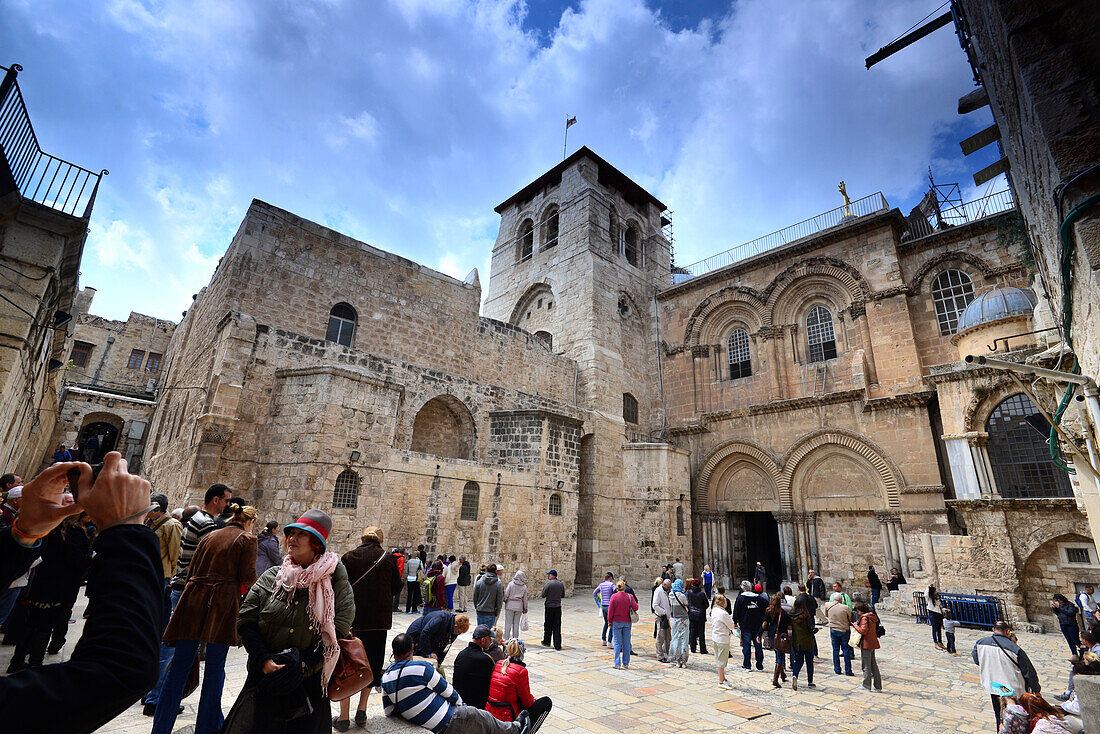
{"x":523,"y":625}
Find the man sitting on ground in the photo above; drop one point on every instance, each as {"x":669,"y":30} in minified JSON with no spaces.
{"x":419,"y":694}
{"x":473,"y":669}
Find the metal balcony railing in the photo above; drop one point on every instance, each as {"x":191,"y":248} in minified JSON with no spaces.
{"x":866,"y":206}
{"x":39,"y":176}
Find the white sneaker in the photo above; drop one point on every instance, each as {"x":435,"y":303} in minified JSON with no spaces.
{"x":726,"y":684}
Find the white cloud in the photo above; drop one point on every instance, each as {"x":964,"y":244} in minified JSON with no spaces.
{"x":405,"y":122}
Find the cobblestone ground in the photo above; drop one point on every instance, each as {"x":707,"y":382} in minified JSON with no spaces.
{"x":924,"y":690}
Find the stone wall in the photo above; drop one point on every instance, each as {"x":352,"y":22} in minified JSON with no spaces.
{"x":849,"y":542}
{"x":40,"y":250}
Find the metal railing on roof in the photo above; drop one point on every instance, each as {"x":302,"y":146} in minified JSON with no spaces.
{"x":936,"y":214}
{"x":866,"y":206}
{"x":39,"y":176}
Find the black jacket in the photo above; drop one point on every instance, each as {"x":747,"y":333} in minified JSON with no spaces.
{"x":697,"y":604}
{"x":464,"y":575}
{"x":748,"y":612}
{"x":817,"y":588}
{"x":66,"y":553}
{"x":433,"y":634}
{"x":473,"y":670}
{"x":873,"y":580}
{"x":115,"y":660}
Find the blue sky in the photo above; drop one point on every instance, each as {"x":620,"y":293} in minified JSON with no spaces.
{"x":403,"y":123}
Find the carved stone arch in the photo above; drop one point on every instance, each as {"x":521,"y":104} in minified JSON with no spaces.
{"x":983,"y":403}
{"x":1055,"y":526}
{"x":941,"y":261}
{"x":853,"y":281}
{"x":762,"y":457}
{"x":542,"y":288}
{"x":444,"y":425}
{"x":888,"y":473}
{"x":718,"y":301}
{"x":631,"y":303}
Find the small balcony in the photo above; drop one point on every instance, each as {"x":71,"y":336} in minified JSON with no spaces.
{"x":38,"y":176}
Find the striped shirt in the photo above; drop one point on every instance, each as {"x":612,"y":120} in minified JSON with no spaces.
{"x":199,"y":525}
{"x":416,"y":690}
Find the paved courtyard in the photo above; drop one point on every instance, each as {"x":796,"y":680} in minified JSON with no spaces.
{"x":924,"y":690}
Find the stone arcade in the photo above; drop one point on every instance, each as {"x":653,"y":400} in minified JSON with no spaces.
{"x":805,"y":406}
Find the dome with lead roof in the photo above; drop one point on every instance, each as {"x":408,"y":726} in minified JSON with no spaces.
{"x":999,"y":303}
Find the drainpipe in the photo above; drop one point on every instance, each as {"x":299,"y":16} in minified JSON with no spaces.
{"x":102,"y":360}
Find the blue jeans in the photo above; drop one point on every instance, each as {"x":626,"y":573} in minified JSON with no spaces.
{"x":210,"y":718}
{"x":840,"y":642}
{"x":875,"y":594}
{"x":166,"y":652}
{"x":606,"y":625}
{"x":486,"y":619}
{"x":800,"y":658}
{"x":747,"y":643}
{"x":620,"y":641}
{"x":7,"y":601}
{"x":451,"y":595}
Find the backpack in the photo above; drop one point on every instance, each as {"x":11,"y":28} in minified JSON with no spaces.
{"x":427,"y":592}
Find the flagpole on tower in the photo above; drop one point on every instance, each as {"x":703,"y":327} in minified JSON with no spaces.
{"x":569,"y":122}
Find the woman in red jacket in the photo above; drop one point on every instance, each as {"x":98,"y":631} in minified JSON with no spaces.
{"x":510,"y":689}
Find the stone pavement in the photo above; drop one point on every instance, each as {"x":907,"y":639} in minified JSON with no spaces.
{"x":924,"y":690}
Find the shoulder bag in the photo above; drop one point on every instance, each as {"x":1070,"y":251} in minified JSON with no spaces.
{"x":855,"y":638}
{"x":353,"y":672}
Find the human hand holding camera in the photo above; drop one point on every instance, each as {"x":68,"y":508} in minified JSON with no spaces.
{"x":115,"y":496}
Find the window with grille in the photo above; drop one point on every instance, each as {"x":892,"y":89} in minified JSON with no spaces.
{"x":136,"y":357}
{"x":952,"y":292}
{"x":630,"y":408}
{"x":1020,"y":456}
{"x":471,"y":495}
{"x":81,"y":354}
{"x":630,"y":245}
{"x":555,"y":505}
{"x":680,"y":521}
{"x":346,"y":494}
{"x":819,"y":334}
{"x":1078,"y":555}
{"x":738,"y":347}
{"x":341,"y":324}
{"x":550,"y":228}
{"x":526,"y":240}
{"x":153,"y":363}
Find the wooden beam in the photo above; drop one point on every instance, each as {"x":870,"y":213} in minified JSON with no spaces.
{"x":892,"y":48}
{"x":973,"y":100}
{"x":980,"y":139}
{"x":993,"y":169}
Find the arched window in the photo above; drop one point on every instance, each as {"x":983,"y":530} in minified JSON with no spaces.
{"x":680,"y":521}
{"x":738,"y":347}
{"x":550,"y":228}
{"x":630,"y":245}
{"x":471,"y":495}
{"x":952,"y":292}
{"x":819,"y":334}
{"x":341,"y":324}
{"x":546,"y":338}
{"x":1019,"y":455}
{"x":630,"y":408}
{"x":554,"y":507}
{"x":526,"y":243}
{"x":346,"y":495}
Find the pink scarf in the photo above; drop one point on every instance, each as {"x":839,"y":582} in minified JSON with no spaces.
{"x":317,"y":577}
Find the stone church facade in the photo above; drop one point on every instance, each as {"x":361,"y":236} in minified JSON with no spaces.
{"x":603,"y":411}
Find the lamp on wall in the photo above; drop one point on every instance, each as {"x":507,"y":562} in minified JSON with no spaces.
{"x":354,"y":456}
{"x":560,"y":484}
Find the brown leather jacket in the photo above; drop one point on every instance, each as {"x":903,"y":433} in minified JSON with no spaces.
{"x":207,"y":611}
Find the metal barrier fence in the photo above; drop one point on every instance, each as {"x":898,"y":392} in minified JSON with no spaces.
{"x":872,"y":204}
{"x":39,"y":176}
{"x":968,"y":610}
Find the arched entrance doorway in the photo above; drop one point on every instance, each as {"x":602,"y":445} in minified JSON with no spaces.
{"x":98,"y":435}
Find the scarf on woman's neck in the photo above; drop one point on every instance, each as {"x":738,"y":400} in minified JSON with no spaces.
{"x":317,"y":577}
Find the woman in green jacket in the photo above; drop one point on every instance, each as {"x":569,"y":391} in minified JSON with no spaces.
{"x":803,"y":643}
{"x":289,"y":623}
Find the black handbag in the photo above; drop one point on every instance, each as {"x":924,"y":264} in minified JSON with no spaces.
{"x":880,"y":631}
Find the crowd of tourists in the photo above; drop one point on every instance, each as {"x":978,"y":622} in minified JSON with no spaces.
{"x":183,"y":586}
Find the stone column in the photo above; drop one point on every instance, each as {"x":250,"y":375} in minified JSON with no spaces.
{"x":982,"y":467}
{"x":887,"y":543}
{"x":811,"y":534}
{"x":903,"y":557}
{"x":859,"y":311}
{"x":786,"y":544}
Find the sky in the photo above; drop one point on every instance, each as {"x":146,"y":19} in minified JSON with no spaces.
{"x":402,"y":123}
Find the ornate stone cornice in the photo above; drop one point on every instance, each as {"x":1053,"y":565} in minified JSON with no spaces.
{"x":688,"y":430}
{"x":858,"y":309}
{"x":215,"y":429}
{"x":905,"y":400}
{"x":1039,"y":503}
{"x":887,"y":516}
{"x":770,"y":332}
{"x":784,"y":406}
{"x":924,"y":489}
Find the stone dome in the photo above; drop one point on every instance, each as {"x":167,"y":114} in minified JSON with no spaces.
{"x":994,"y":305}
